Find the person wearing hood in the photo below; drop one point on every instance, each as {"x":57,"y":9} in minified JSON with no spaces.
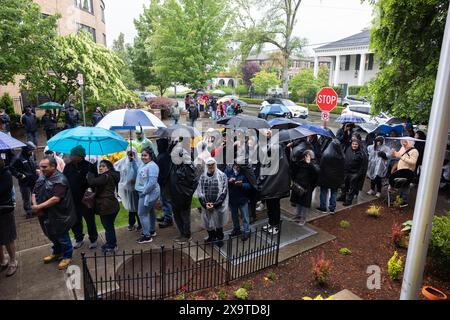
{"x":8,"y":233}
{"x":106,"y":204}
{"x":331,"y":175}
{"x":408,"y":156}
{"x":128,"y":167}
{"x":97,"y":116}
{"x":164,"y":163}
{"x":142,"y":142}
{"x":344,"y":135}
{"x":72,"y":117}
{"x":304,"y":175}
{"x":354,"y":171}
{"x":378,"y":165}
{"x":76,"y":173}
{"x":213,"y":196}
{"x":24,"y":168}
{"x":182,"y":182}
{"x":149,"y":191}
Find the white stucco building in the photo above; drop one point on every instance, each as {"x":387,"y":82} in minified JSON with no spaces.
{"x":352,"y":62}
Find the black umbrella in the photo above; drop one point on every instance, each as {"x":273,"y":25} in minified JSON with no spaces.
{"x":294,"y":134}
{"x":283,"y":123}
{"x":178,"y":130}
{"x":248,"y":122}
{"x":224,"y":121}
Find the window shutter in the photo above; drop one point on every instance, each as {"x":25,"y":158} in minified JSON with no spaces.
{"x":347,"y":62}
{"x":358,"y":62}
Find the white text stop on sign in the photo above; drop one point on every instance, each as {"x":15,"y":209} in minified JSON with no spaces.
{"x":329,"y":100}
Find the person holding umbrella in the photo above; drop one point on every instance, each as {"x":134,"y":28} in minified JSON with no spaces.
{"x":48,"y":123}
{"x":8,"y":233}
{"x":344,"y":134}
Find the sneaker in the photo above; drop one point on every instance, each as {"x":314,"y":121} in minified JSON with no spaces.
{"x":178,"y":239}
{"x":64,"y":264}
{"x":153,"y":234}
{"x":370,"y":192}
{"x":138,"y":228}
{"x":245,"y":237}
{"x":184,"y":240}
{"x":332,"y":211}
{"x":130,"y":228}
{"x":78,"y":244}
{"x":51,"y":258}
{"x":404,"y":205}
{"x":165,"y":224}
{"x":261,"y":207}
{"x":144,"y":239}
{"x":324,"y":210}
{"x":12,"y":268}
{"x":301,"y":221}
{"x":266,"y":227}
{"x":93,"y":245}
{"x":378,"y":195}
{"x":160,"y":219}
{"x":107,"y":250}
{"x":273,"y":230}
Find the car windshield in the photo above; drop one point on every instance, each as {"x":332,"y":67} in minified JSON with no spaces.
{"x":288,"y":103}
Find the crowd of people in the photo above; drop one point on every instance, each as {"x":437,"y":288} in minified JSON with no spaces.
{"x":64,"y":191}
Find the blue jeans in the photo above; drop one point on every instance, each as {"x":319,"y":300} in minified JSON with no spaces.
{"x":324,"y":196}
{"x":243,"y":208}
{"x":175,"y":119}
{"x":167,"y":208}
{"x":213,"y":114}
{"x":147,"y":216}
{"x":62,"y":245}
{"x":192,"y":122}
{"x":110,"y":231}
{"x":32,"y":136}
{"x":301,"y":211}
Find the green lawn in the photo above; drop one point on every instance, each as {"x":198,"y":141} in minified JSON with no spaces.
{"x":122,"y":217}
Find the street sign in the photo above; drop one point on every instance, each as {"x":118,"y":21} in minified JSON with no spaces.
{"x":325,"y":116}
{"x":327,"y":99}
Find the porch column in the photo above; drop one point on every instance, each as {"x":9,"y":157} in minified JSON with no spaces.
{"x":337,"y":70}
{"x":316,"y":66}
{"x":330,"y":76}
{"x":362,"y":69}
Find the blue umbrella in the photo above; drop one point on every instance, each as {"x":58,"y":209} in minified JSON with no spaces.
{"x":319,"y":130}
{"x":7,"y":142}
{"x":349,"y":118}
{"x":96,"y":141}
{"x":385,"y":129}
{"x":282,"y":123}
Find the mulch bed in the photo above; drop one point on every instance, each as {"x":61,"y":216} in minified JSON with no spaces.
{"x":370,"y":242}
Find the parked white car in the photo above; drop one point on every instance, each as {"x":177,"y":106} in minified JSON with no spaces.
{"x":296,"y":110}
{"x":363,"y":111}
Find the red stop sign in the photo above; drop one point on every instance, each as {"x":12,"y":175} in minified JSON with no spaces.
{"x":327,"y":99}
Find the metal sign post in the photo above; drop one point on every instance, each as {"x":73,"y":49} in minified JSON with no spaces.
{"x":428,"y":189}
{"x":80,"y":81}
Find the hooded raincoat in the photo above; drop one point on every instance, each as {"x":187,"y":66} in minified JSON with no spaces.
{"x":378,"y":164}
{"x":128,"y":173}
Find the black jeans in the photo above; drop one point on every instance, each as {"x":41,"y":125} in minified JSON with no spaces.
{"x":375,"y":184}
{"x":182,"y":219}
{"x":89,"y":216}
{"x":350,"y":188}
{"x":26,"y":198}
{"x":273,"y":211}
{"x":50,"y":133}
{"x":110,"y":231}
{"x":132,"y":218}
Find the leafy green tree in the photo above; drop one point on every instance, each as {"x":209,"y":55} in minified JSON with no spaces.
{"x":189,"y":40}
{"x":123,"y":51}
{"x":263,"y":80}
{"x":142,"y":62}
{"x":24,"y":36}
{"x":56,"y":76}
{"x":276,"y":27}
{"x":7,"y":103}
{"x":406,"y":37}
{"x":305,"y":86}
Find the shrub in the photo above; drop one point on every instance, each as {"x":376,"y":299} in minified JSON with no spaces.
{"x":162,"y":103}
{"x":344,"y":224}
{"x":440,"y":239}
{"x":222,"y":295}
{"x":374,"y":211}
{"x":321,"y":269}
{"x":251,"y":101}
{"x":354,"y":90}
{"x":247,"y":286}
{"x":241,"y":294}
{"x":398,"y":236}
{"x":345,"y":251}
{"x":241,"y":89}
{"x":398,"y":201}
{"x":271,"y":276}
{"x":395,"y":266}
{"x":7,"y":103}
{"x":180,"y":296}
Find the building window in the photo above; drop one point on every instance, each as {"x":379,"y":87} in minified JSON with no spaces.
{"x":369,"y":62}
{"x":358,"y":62}
{"x":88,"y":29}
{"x":104,"y":40}
{"x":347,"y":62}
{"x":85,"y":5}
{"x":102,"y":7}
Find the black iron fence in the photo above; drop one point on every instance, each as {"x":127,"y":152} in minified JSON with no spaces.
{"x":166,"y":272}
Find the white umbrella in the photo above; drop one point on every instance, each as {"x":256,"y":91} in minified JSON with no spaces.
{"x":130,"y":119}
{"x":219,"y":92}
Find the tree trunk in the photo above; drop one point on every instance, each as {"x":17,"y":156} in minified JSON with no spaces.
{"x":285,"y":75}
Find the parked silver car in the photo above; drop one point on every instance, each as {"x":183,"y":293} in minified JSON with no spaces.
{"x":354,"y":100}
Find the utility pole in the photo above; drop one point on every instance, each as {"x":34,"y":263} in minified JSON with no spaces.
{"x":80,"y":80}
{"x":427,"y":191}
